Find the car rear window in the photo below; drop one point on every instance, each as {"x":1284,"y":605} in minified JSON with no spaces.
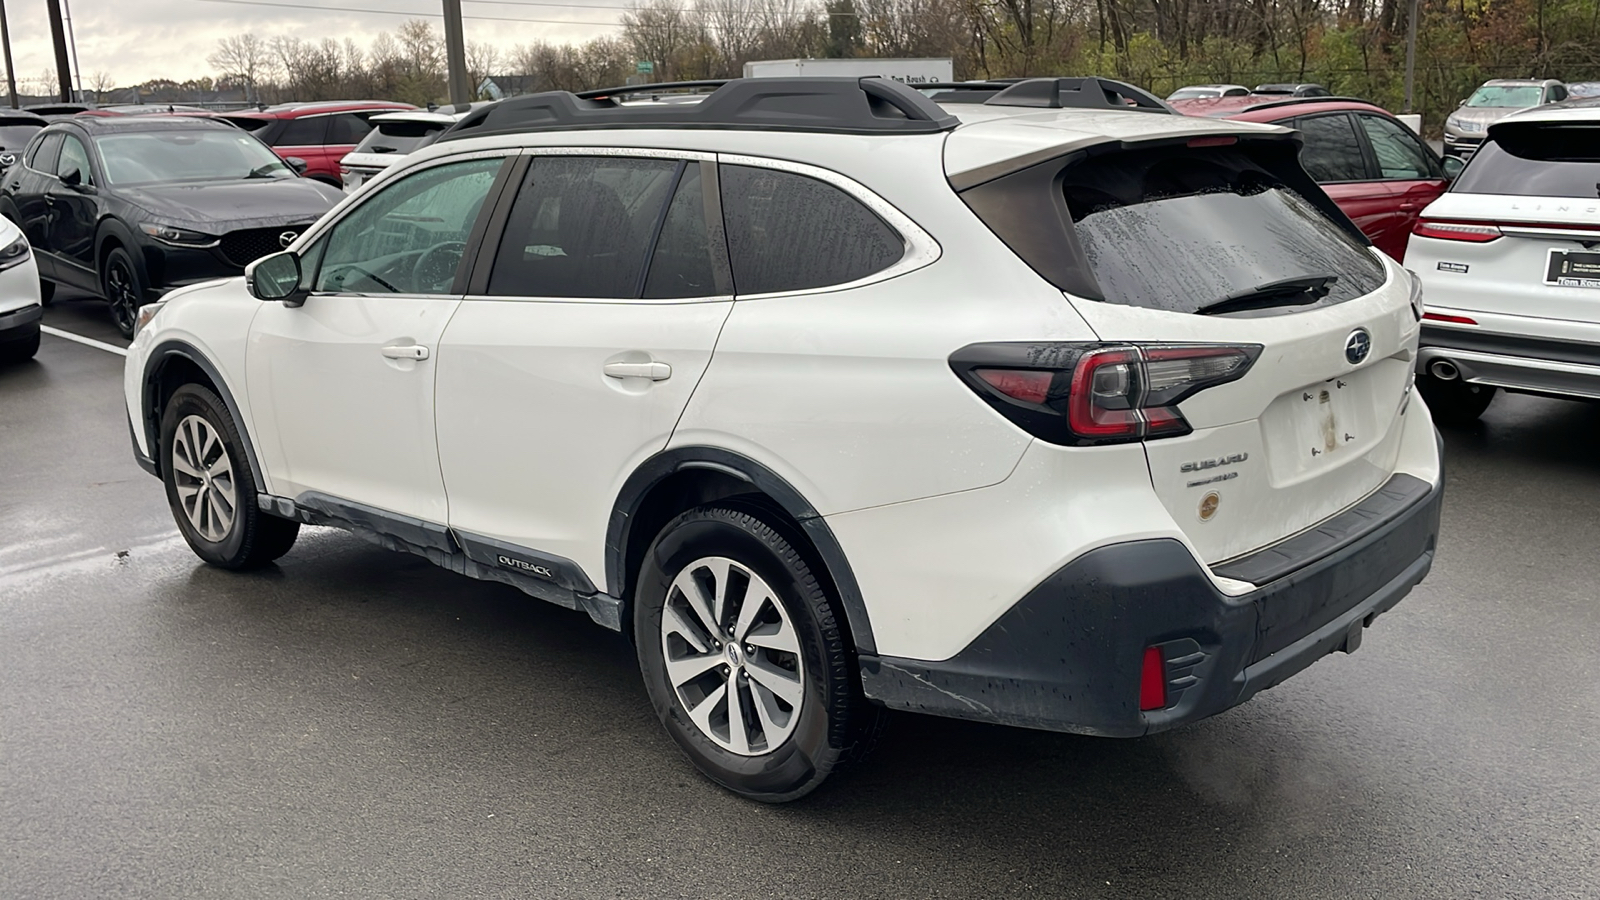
{"x":399,"y":138}
{"x":1536,"y":161}
{"x":15,"y":135}
{"x":1180,"y":229}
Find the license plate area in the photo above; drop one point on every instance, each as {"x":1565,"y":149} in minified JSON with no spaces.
{"x":1321,"y":425}
{"x":1573,"y":268}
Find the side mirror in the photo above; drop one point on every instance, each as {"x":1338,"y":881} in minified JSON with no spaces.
{"x":297,"y":164}
{"x":72,"y":177}
{"x":276,"y":278}
{"x":1452,"y":166}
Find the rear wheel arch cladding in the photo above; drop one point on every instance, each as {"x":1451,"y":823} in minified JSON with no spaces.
{"x":726,"y":476}
{"x":171,"y":365}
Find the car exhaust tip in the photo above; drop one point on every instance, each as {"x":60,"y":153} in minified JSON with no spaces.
{"x":1444,"y":370}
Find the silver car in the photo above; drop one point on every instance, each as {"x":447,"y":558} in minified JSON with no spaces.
{"x":1465,"y":128}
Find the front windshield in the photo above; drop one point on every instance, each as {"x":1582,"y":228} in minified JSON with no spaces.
{"x":1503,"y":96}
{"x":151,"y":157}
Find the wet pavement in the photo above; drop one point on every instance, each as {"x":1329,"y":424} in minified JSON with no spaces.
{"x":354,"y":722}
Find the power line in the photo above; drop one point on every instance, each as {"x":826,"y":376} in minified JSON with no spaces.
{"x":410,"y":15}
{"x":543,"y":3}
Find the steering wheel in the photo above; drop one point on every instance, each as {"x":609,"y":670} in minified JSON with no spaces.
{"x":437,"y":265}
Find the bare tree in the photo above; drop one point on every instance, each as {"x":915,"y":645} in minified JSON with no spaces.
{"x":245,"y":57}
{"x":101,"y":83}
{"x":482,"y":61}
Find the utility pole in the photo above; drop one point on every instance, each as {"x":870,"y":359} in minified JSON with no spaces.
{"x":1411,"y":50}
{"x":58,"y":34}
{"x":5,"y":39}
{"x":455,"y":53}
{"x":72,"y":41}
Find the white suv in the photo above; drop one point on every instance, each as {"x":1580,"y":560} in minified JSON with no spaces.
{"x":1050,"y":411}
{"x":1511,"y":260}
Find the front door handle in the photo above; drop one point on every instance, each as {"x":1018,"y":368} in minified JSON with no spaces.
{"x":655,"y":371}
{"x":405,"y":351}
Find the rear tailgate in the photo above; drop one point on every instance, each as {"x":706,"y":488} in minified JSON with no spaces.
{"x":1224,"y":240}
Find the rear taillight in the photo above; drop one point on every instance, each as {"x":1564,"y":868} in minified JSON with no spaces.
{"x":1086,"y":394}
{"x":1471,"y":232}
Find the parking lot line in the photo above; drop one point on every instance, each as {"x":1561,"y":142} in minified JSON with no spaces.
{"x":102,"y":345}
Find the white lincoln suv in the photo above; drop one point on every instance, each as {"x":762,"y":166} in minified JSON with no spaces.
{"x":1511,"y":260}
{"x":1038,"y":405}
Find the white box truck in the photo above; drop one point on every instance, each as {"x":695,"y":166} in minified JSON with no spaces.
{"x":906,"y":71}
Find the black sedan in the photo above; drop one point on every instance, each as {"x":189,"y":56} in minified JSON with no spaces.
{"x":129,"y":207}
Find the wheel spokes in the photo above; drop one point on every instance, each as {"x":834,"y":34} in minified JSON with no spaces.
{"x":783,"y":683}
{"x":682,"y":671}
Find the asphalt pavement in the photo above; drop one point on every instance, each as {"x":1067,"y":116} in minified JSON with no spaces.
{"x":357,"y":723}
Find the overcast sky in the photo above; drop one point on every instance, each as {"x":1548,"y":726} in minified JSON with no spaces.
{"x":136,"y":40}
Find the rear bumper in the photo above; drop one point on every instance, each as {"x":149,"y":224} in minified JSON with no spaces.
{"x":1519,"y":363}
{"x":1068,"y":656}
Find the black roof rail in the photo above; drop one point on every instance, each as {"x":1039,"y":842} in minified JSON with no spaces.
{"x":1287,"y":101}
{"x":1079,"y":93}
{"x":829,"y":105}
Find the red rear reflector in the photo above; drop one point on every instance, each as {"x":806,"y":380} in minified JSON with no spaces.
{"x":1219,"y":141}
{"x":1153,"y":680}
{"x":1029,"y":386}
{"x":1441,"y":317}
{"x":1471,"y":232}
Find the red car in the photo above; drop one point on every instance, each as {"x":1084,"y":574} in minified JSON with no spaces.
{"x":319,"y":133}
{"x":1377,"y":169}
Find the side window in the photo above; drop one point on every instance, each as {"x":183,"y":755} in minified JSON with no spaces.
{"x":581,"y":226}
{"x":688,"y":258}
{"x":1399,"y":153}
{"x":74,"y":156}
{"x":789,"y":232}
{"x":1331,"y":151}
{"x":306,"y":132}
{"x":44,"y":154}
{"x":409,"y":237}
{"x":347,"y":128}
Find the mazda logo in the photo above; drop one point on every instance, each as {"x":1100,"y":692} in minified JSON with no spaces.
{"x":7,"y":159}
{"x":1357,"y":346}
{"x":287,"y":238}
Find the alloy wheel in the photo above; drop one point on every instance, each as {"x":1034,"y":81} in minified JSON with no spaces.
{"x":122,"y":295}
{"x":203,"y":475}
{"x":732,"y":656}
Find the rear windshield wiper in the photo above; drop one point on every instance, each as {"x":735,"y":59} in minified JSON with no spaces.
{"x":1301,"y":291}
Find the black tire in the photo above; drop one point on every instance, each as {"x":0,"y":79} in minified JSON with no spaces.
{"x":1455,"y":402}
{"x":47,"y":292}
{"x":20,"y":349}
{"x":123,"y":288}
{"x":251,"y":537}
{"x":834,"y":726}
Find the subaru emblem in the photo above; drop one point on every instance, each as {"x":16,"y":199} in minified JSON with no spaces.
{"x":287,"y":238}
{"x":1357,"y":346}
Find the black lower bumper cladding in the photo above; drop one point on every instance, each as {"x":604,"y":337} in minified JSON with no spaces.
{"x":1067,"y":657}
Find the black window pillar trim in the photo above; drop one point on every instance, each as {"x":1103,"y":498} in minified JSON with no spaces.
{"x":762,"y":479}
{"x":149,"y":396}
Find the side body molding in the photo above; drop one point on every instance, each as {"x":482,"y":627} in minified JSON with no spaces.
{"x":760,"y":478}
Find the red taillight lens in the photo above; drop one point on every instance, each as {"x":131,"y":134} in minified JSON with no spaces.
{"x":1471,"y":232}
{"x":1078,"y":394}
{"x":1153,"y":680}
{"x":1019,"y":384}
{"x":1441,"y":317}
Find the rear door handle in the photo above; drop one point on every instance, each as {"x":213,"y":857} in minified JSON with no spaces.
{"x":405,"y":351}
{"x":655,"y":371}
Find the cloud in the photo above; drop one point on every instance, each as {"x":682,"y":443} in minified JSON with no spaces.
{"x":137,"y":40}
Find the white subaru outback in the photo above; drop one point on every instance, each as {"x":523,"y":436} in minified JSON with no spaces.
{"x":1043,"y":406}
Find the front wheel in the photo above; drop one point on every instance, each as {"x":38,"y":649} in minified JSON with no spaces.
{"x":123,"y":289}
{"x":744,"y":658}
{"x":210,"y":488}
{"x":1455,"y":402}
